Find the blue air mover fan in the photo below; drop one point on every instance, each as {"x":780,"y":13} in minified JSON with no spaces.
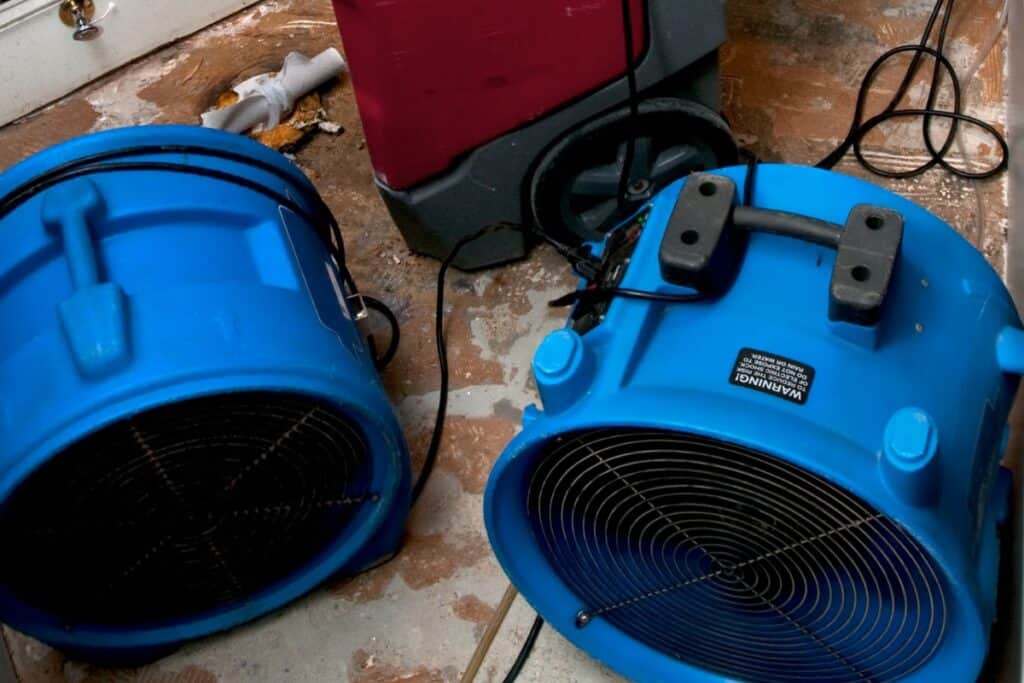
{"x":192,"y":431}
{"x":769,"y":457}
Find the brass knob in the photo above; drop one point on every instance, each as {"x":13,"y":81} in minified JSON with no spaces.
{"x":78,"y":14}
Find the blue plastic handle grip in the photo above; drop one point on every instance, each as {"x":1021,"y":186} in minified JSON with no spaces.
{"x":95,"y":316}
{"x":67,"y":211}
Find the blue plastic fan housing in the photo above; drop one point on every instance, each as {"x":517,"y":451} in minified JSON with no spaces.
{"x":192,"y":430}
{"x":741,"y":489}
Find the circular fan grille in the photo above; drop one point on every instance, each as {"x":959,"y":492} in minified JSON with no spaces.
{"x":185,"y":508}
{"x":733,"y":561}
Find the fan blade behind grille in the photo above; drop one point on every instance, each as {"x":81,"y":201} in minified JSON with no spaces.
{"x":185,"y":508}
{"x":734,"y":561}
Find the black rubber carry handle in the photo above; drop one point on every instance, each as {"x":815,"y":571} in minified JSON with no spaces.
{"x":706,"y":237}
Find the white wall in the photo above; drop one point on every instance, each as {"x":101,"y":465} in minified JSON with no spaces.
{"x":40,"y":62}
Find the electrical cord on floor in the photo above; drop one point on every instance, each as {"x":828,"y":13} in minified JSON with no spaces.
{"x":577,"y":257}
{"x":524,"y":654}
{"x":442,"y":358}
{"x":860,"y":128}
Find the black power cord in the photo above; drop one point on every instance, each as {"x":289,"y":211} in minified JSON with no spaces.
{"x":625,"y":178}
{"x":860,"y":128}
{"x":442,"y":357}
{"x":750,"y":179}
{"x":574,"y":256}
{"x":524,"y":654}
{"x":384,"y":359}
{"x":598,"y":293}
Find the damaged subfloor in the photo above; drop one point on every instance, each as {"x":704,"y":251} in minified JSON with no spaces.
{"x":790,"y":73}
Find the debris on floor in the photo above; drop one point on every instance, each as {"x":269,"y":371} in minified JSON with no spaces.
{"x":280,"y":109}
{"x":308,"y":116}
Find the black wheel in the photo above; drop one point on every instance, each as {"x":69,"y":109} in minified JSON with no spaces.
{"x":574,"y":192}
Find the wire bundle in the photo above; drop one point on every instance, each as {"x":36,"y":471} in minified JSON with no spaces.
{"x":937,"y":153}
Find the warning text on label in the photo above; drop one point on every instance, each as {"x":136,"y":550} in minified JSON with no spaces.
{"x":771,"y":374}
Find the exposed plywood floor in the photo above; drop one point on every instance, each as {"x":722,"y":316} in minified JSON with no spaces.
{"x":790,"y":76}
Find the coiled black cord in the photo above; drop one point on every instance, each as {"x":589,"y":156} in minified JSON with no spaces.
{"x":860,"y":128}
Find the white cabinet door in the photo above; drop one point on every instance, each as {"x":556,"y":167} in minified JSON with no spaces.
{"x":40,"y":61}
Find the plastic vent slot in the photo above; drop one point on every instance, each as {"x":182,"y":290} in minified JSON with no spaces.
{"x":185,"y":508}
{"x":734,"y":561}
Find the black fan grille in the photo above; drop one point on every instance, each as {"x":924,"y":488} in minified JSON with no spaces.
{"x":186,"y":508}
{"x":734,"y":561}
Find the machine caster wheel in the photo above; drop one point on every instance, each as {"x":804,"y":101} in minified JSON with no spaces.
{"x":574,"y":191}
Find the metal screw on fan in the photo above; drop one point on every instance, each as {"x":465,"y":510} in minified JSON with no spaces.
{"x":640,"y":187}
{"x":653,"y":167}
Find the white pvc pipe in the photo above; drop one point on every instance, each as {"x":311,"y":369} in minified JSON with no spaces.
{"x":265,"y":99}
